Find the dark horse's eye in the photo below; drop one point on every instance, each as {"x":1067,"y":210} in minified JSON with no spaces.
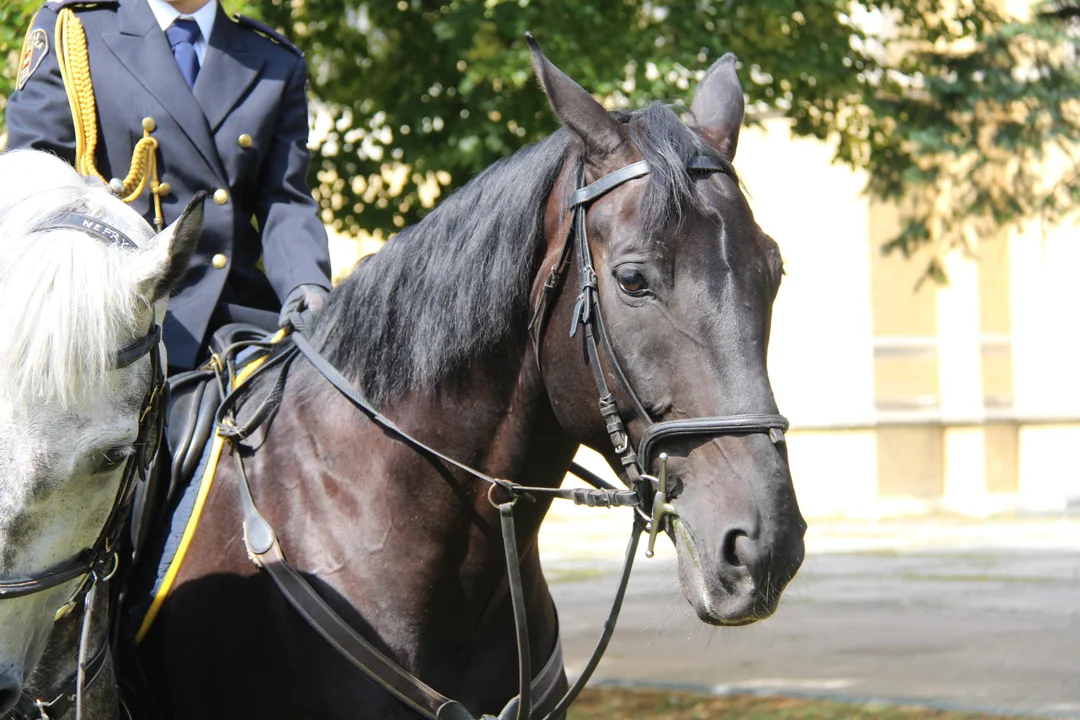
{"x":632,"y":280}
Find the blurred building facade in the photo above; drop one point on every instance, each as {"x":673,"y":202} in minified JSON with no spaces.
{"x":908,"y":398}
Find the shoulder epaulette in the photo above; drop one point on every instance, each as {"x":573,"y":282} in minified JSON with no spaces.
{"x":58,"y":5}
{"x":269,"y":32}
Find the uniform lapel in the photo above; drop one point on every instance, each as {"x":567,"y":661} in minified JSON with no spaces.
{"x":143,"y":50}
{"x":228,"y":71}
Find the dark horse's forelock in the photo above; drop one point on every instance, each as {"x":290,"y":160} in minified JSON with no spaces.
{"x":457,"y":283}
{"x":668,"y":145}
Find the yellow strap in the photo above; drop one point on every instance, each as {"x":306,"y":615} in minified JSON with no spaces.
{"x":196,"y":510}
{"x":74,"y":62}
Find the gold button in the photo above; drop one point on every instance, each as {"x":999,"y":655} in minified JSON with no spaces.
{"x":221,"y":196}
{"x":149,"y":124}
{"x":244,"y":140}
{"x":164,"y":188}
{"x":219,"y":261}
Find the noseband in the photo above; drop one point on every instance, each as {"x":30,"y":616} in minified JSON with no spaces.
{"x":587,"y":313}
{"x":98,"y":562}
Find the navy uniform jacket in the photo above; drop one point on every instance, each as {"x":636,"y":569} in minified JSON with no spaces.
{"x":240,"y":135}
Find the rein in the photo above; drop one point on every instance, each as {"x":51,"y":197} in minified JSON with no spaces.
{"x":97,"y":563}
{"x":265,"y":551}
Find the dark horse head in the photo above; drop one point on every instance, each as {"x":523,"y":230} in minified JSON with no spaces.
{"x":435,"y":331}
{"x":686,"y":281}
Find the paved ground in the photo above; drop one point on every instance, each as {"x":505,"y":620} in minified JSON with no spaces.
{"x":941,"y":612}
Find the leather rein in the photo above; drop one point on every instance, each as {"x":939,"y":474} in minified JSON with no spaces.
{"x":97,"y":563}
{"x":265,"y":551}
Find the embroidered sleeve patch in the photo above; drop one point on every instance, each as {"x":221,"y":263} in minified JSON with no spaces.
{"x":35,"y":48}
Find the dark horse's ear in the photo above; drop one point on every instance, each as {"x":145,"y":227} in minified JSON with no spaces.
{"x":604,"y":138}
{"x":718,"y":106}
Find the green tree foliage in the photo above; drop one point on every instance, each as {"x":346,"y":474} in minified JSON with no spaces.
{"x":967,"y":118}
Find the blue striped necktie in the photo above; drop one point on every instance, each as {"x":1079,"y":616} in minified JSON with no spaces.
{"x":182,"y":35}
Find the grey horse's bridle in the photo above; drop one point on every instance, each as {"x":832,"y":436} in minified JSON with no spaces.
{"x":97,"y":563}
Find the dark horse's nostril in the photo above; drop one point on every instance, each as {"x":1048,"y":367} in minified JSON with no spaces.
{"x":731,"y":550}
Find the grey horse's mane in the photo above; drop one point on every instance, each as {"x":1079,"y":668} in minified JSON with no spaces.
{"x":66,"y":299}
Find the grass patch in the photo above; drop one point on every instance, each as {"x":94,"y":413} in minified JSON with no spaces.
{"x":621,"y":704}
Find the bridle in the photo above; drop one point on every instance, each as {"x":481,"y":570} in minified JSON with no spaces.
{"x":97,"y":563}
{"x":265,"y":551}
{"x":587,"y":313}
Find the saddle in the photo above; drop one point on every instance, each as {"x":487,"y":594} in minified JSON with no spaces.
{"x":193,"y":400}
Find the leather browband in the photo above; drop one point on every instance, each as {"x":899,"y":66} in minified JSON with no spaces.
{"x":92,"y":226}
{"x":137,"y":348}
{"x":609,"y":182}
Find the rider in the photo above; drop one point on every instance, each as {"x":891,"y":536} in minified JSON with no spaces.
{"x":190,"y":100}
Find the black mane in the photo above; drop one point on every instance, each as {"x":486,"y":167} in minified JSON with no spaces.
{"x":457,"y":283}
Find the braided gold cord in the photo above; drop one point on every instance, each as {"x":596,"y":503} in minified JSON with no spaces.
{"x":143,"y":166}
{"x":74,"y":62}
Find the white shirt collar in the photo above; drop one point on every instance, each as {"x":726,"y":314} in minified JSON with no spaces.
{"x":203,"y":17}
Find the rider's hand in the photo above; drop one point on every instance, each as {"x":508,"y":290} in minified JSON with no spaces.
{"x":304,"y":297}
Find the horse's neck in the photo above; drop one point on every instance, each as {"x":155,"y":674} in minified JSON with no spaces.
{"x":494,"y":416}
